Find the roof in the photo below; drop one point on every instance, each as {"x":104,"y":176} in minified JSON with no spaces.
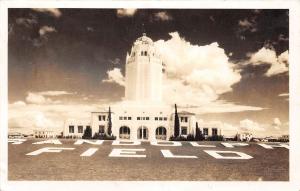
{"x":101,"y":112}
{"x":186,"y":113}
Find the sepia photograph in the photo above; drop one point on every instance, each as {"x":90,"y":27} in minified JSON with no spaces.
{"x":148,"y":94}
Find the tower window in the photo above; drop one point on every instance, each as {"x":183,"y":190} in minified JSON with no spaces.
{"x":144,"y":53}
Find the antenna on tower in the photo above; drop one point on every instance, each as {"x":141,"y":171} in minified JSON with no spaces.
{"x":143,"y":29}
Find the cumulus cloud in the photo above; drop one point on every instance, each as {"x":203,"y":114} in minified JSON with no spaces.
{"x":264,"y":55}
{"x":283,"y":95}
{"x":25,"y":118}
{"x":195,"y":74}
{"x":43,"y":36}
{"x":282,"y":37}
{"x":249,"y":125}
{"x":50,"y":11}
{"x":43,"y":97}
{"x":279,"y":64}
{"x":19,"y":103}
{"x":55,"y":93}
{"x":162,"y":16}
{"x":245,"y":26}
{"x":37,"y":98}
{"x":229,"y":127}
{"x":46,"y":29}
{"x":220,"y":106}
{"x":115,"y":76}
{"x":276,"y":123}
{"x":42,"y":112}
{"x":126,"y":12}
{"x":116,"y":61}
{"x":27,"y":22}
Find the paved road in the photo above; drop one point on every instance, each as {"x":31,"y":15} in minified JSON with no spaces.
{"x":266,"y":164}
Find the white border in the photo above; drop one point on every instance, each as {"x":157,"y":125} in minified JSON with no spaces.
{"x":293,"y":184}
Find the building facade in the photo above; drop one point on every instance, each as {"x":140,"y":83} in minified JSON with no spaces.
{"x":244,"y":136}
{"x":142,"y":115}
{"x":44,"y":133}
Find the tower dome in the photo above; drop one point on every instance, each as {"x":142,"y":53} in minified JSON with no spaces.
{"x":144,"y":40}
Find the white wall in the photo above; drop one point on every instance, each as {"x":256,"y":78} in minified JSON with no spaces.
{"x":75,"y":123}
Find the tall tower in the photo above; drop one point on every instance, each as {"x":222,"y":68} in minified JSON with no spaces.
{"x":143,"y":72}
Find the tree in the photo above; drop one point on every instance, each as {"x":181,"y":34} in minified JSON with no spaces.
{"x":109,"y":126}
{"x":176,"y":123}
{"x":198,"y":135}
{"x":87,"y":133}
{"x":235,"y":137}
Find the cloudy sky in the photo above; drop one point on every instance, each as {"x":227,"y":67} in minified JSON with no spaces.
{"x":227,"y":66}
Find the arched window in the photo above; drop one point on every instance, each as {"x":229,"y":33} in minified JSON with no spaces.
{"x":144,"y":53}
{"x":124,"y":132}
{"x":161,"y":133}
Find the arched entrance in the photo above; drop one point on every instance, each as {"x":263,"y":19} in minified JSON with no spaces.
{"x":124,"y":132}
{"x":142,"y":133}
{"x":161,"y":133}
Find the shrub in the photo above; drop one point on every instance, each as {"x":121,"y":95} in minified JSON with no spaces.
{"x":179,"y":138}
{"x":87,"y":133}
{"x":190,"y":137}
{"x":215,"y":138}
{"x":102,"y":136}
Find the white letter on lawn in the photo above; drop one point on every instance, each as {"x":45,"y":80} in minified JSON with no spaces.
{"x":89,"y":152}
{"x":216,"y":154}
{"x":168,"y":154}
{"x":51,"y":141}
{"x":272,"y":146}
{"x":16,"y":141}
{"x":80,"y":141}
{"x":231,"y":145}
{"x":126,"y":153}
{"x":126,"y":143}
{"x":166,"y":143}
{"x":195,"y":144}
{"x":49,"y":150}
